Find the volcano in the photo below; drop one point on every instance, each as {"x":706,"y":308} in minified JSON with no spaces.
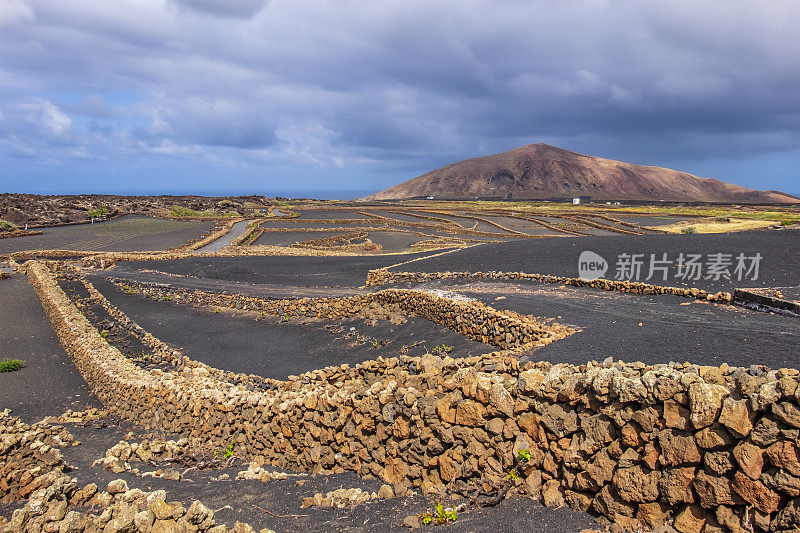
{"x":541,"y":171}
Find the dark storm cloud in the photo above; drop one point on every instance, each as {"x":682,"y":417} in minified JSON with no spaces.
{"x":410,"y":85}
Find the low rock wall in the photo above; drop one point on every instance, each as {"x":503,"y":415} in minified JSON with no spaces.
{"x":505,"y":330}
{"x":18,"y":233}
{"x":32,"y":468}
{"x":386,"y":277}
{"x":585,"y":220}
{"x":710,"y":448}
{"x":340,"y":239}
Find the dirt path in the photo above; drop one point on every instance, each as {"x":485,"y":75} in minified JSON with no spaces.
{"x":215,"y":246}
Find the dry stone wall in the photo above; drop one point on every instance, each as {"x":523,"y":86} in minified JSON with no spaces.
{"x":332,"y":240}
{"x":386,"y":277}
{"x":32,"y":469}
{"x":711,"y":448}
{"x":18,"y":233}
{"x":506,"y":330}
{"x":581,"y":219}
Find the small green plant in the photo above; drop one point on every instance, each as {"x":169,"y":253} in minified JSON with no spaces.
{"x":97,"y":212}
{"x":10,"y":365}
{"x":441,"y":349}
{"x":217,"y":311}
{"x":442,"y":515}
{"x":524,"y":455}
{"x":439,"y":516}
{"x":127,"y":289}
{"x":6,"y":226}
{"x":688,"y":231}
{"x":104,"y":334}
{"x":512,"y":475}
{"x":228,"y":452}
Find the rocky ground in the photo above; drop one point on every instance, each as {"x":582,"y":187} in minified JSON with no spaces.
{"x":54,"y":210}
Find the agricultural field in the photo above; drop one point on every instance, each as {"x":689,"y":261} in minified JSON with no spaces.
{"x":313,"y":366}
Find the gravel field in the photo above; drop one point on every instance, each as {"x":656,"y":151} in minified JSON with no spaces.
{"x":672,"y":328}
{"x":285,"y":238}
{"x":524,"y":226}
{"x":651,"y":329}
{"x":332,"y":214}
{"x":779,"y":266}
{"x":291,"y":270}
{"x":276,"y":349}
{"x":130,"y":233}
{"x":394,"y":241}
{"x":49,"y":383}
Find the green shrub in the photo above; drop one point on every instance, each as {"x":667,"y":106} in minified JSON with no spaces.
{"x":178,"y":211}
{"x":689,"y":230}
{"x":442,"y":349}
{"x":6,"y":226}
{"x":97,"y":212}
{"x":228,"y":452}
{"x":10,"y":365}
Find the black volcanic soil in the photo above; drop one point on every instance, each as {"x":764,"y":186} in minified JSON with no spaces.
{"x":25,"y":331}
{"x":780,"y":264}
{"x":672,"y":328}
{"x":331,"y":214}
{"x":394,"y":241}
{"x":276,"y":349}
{"x":285,"y":238}
{"x":129,"y":233}
{"x":289,"y":270}
{"x":49,"y":383}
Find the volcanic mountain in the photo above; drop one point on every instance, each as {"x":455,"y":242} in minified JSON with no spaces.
{"x":541,"y":171}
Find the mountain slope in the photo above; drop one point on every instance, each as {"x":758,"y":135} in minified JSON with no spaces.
{"x":540,"y":171}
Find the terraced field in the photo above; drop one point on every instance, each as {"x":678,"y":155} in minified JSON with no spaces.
{"x":299,"y":380}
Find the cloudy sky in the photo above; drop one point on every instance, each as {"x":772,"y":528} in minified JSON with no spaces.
{"x":258,"y":96}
